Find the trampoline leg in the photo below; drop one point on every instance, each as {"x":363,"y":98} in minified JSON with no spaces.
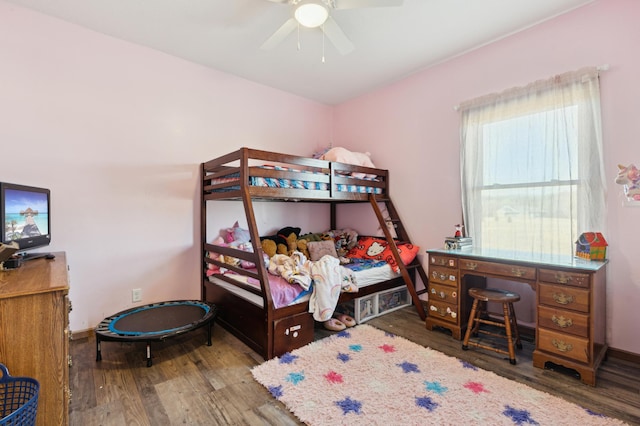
{"x":149,"y":362}
{"x":209,"y":333}
{"x":98,"y":353}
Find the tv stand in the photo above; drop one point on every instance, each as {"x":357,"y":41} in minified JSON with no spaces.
{"x":31,"y":256}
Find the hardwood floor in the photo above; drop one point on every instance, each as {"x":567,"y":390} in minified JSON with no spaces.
{"x":195,"y":384}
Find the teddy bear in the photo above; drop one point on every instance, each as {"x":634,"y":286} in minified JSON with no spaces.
{"x":285,"y":241}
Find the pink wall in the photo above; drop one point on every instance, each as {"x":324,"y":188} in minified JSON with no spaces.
{"x":415,"y":117}
{"x":117,"y":132}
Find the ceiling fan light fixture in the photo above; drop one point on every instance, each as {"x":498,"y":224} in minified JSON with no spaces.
{"x":311,"y":13}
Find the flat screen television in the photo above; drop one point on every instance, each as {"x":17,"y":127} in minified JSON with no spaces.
{"x":25,"y":213}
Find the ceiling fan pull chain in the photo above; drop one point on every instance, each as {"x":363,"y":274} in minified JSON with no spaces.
{"x":298,"y":36}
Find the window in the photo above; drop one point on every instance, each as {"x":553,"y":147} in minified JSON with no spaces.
{"x":531,"y":165}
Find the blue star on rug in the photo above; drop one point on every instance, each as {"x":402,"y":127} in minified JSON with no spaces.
{"x":343,"y":357}
{"x":409,"y":367}
{"x":349,"y":405}
{"x":295,"y":378}
{"x":276,"y":391}
{"x":288,"y":358}
{"x":465,"y":364}
{"x":519,"y":417}
{"x":426,"y":402}
{"x":435,"y":387}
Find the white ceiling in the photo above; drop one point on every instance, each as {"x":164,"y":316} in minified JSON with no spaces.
{"x":390,"y":42}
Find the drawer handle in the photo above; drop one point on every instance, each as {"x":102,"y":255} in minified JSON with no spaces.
{"x":472,"y":265}
{"x":441,"y":294}
{"x":562,"y":346}
{"x":561,"y":321}
{"x":562,"y":278}
{"x":562,"y":299}
{"x":517,"y":272}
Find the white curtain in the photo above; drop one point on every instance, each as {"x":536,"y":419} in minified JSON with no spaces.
{"x":531,"y":165}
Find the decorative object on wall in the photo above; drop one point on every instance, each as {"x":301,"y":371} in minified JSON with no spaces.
{"x":629,"y":177}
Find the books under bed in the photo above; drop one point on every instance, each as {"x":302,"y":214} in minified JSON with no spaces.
{"x":265,"y":311}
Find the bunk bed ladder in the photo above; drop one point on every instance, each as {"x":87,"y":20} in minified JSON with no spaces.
{"x":403,"y":237}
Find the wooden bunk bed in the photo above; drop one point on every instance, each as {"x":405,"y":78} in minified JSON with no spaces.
{"x":249,"y":312}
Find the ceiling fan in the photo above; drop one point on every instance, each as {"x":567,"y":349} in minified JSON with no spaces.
{"x":317,"y":13}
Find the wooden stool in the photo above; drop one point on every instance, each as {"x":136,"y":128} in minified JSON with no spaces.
{"x":478,"y":316}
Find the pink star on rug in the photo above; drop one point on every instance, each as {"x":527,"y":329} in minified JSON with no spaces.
{"x":333,"y":377}
{"x":475,"y":387}
{"x":387,"y":348}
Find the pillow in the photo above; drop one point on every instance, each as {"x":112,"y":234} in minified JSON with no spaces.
{"x":378,"y":249}
{"x":317,"y":249}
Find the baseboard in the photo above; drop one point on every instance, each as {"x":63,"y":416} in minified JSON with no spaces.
{"x":624,"y":355}
{"x":82,"y":334}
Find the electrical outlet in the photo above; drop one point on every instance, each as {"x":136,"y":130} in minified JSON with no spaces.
{"x":136,"y":295}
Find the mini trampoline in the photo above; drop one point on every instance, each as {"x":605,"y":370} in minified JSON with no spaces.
{"x":155,"y":322}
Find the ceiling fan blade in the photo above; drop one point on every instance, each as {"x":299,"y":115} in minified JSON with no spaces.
{"x":355,"y":4}
{"x":279,"y":1}
{"x":280,"y":34}
{"x":337,"y":36}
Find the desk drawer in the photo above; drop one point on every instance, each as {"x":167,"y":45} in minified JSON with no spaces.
{"x":563,"y":277}
{"x":443,"y":311}
{"x":500,"y":269}
{"x":564,"y":321}
{"x":436,"y":260}
{"x":443,"y":276}
{"x":564,"y":345}
{"x":564,"y":297}
{"x":443,"y":293}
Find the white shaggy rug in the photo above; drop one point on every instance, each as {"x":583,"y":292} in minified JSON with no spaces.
{"x":364,"y":376}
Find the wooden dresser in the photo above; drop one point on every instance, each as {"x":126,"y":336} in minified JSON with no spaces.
{"x":34,"y":331}
{"x":570,"y":298}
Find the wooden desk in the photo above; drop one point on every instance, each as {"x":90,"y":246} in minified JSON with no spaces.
{"x":34,"y":331}
{"x":570,"y":298}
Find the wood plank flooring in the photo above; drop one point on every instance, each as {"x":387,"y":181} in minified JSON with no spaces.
{"x":191,"y":383}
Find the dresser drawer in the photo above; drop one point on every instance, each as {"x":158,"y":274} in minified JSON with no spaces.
{"x":565,"y":297}
{"x":443,"y":276}
{"x":564,"y":345}
{"x":500,"y":269}
{"x":443,"y":293}
{"x":564,"y":321}
{"x":436,"y":260}
{"x":563,"y":277}
{"x":443,"y":311}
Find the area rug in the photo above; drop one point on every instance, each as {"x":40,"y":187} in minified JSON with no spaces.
{"x":364,"y":376}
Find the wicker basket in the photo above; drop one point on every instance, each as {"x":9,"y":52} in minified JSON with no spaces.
{"x":18,"y":399}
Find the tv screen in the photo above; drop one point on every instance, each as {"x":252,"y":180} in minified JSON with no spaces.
{"x":25,"y":213}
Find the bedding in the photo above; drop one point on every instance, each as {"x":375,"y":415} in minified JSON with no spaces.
{"x":284,"y":293}
{"x":378,"y":249}
{"x":272,"y":182}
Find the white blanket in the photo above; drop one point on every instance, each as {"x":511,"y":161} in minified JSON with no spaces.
{"x":329,"y":278}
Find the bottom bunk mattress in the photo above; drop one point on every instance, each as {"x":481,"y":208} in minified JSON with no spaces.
{"x":284,"y":293}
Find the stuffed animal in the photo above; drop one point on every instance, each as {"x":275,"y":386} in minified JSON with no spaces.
{"x":343,"y":155}
{"x":285,"y":241}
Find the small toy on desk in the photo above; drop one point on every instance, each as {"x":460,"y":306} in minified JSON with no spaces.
{"x":458,"y":241}
{"x":591,"y":246}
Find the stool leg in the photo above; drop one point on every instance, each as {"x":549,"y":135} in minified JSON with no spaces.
{"x":507,"y":326}
{"x":515,"y":325}
{"x":470,"y":325}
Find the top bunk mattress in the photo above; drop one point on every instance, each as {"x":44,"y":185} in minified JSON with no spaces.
{"x":293,"y":183}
